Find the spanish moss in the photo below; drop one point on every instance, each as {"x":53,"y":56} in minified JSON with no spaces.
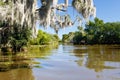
{"x":26,"y":13}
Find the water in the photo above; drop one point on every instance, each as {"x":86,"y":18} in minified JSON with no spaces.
{"x":68,"y":62}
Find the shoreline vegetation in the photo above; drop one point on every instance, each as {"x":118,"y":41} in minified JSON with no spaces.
{"x":95,"y":32}
{"x":14,"y":37}
{"x":24,"y":59}
{"x":17,"y":45}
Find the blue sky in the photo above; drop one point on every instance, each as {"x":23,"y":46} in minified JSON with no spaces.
{"x":107,"y":10}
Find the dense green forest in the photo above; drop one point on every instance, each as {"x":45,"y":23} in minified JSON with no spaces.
{"x":15,"y":37}
{"x":95,"y":32}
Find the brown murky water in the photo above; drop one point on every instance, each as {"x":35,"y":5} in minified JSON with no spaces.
{"x":68,"y":62}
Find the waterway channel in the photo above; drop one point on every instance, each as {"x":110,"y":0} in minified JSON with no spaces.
{"x":71,"y":62}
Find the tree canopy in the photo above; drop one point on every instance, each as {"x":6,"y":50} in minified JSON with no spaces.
{"x":24,"y":12}
{"x":96,"y":32}
{"x":18,"y":17}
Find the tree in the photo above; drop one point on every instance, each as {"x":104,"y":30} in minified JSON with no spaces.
{"x":24,"y":12}
{"x":19,"y":37}
{"x":5,"y":33}
{"x":67,"y":38}
{"x":44,"y":38}
{"x":94,"y":31}
{"x":111,"y":33}
{"x":99,"y":32}
{"x":13,"y":36}
{"x":77,"y":38}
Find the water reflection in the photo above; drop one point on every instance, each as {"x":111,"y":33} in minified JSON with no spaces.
{"x":69,"y":62}
{"x":17,"y":74}
{"x":8,"y":62}
{"x":98,"y":62}
{"x":19,"y":67}
{"x":98,"y":57}
{"x":41,"y":52}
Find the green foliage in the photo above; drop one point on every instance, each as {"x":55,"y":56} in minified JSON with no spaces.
{"x":55,"y":37}
{"x":77,"y":38}
{"x":14,"y":36}
{"x":5,"y":33}
{"x":2,"y":3}
{"x":111,"y":33}
{"x":44,"y":38}
{"x":68,"y":37}
{"x":20,"y":37}
{"x":65,"y":37}
{"x":96,"y":32}
{"x":99,"y":32}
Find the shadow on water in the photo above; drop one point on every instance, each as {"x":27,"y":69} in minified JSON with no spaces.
{"x":12,"y":62}
{"x":19,"y":67}
{"x":14,"y":67}
{"x":17,"y":74}
{"x":24,"y":59}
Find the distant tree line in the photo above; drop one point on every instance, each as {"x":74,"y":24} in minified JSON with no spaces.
{"x":95,"y":32}
{"x":44,"y":38}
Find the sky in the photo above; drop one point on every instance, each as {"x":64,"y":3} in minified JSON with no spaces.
{"x":107,"y":10}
